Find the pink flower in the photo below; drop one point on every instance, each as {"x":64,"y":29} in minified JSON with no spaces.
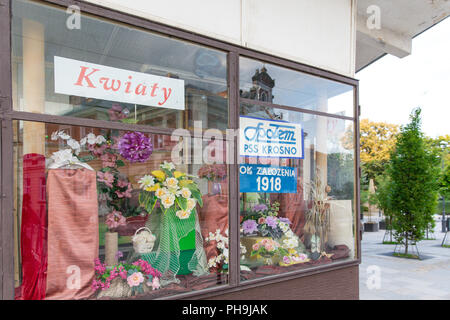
{"x":261,"y":220}
{"x":269,"y":247}
{"x":286,"y":259}
{"x":106,"y":178}
{"x":126,"y":193}
{"x":115,"y":219}
{"x":255,"y":246}
{"x":155,"y":283}
{"x":135,"y":279}
{"x":108,"y":160}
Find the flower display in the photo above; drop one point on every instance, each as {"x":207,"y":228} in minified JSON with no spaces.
{"x":268,"y":247}
{"x":263,"y":221}
{"x":170,"y":190}
{"x":220,"y":262}
{"x":213,"y":172}
{"x":136,"y":275}
{"x":135,"y":147}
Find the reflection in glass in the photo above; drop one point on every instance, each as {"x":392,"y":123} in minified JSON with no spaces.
{"x":270,"y":83}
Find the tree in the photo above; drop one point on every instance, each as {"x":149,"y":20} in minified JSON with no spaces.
{"x":377,"y":140}
{"x":384,"y":200}
{"x":414,"y":174}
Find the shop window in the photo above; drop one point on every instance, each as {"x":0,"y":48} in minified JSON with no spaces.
{"x":110,"y":213}
{"x":297,"y":207}
{"x":282,"y":86}
{"x":109,"y":71}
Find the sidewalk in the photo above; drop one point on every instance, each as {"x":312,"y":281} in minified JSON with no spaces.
{"x":402,"y":278}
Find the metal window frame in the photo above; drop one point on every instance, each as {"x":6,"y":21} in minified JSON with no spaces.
{"x":234,"y":52}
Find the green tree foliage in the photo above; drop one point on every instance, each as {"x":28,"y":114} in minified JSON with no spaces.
{"x":414,"y":176}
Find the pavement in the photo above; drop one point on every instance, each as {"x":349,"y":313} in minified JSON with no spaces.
{"x":385,"y":277}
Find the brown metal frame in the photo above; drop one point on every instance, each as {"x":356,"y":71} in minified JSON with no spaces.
{"x":7,"y":115}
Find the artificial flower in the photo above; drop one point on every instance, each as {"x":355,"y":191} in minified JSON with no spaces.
{"x":161,"y":192}
{"x":105,"y":177}
{"x":178,"y":174}
{"x":185,"y":193}
{"x":155,"y":283}
{"x":159,"y":174}
{"x":146,"y":181}
{"x":171,"y":183}
{"x":250,"y":226}
{"x":168,"y":166}
{"x":115,"y":219}
{"x":271,"y":222}
{"x":153,"y":188}
{"x":191,"y":203}
{"x":135,"y":279}
{"x":168,"y":200}
{"x":183,"y":214}
{"x":135,"y":147}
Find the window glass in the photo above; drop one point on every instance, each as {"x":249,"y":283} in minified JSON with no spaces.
{"x":108,"y":71}
{"x":109,"y":213}
{"x":271,"y":83}
{"x":297,"y":210}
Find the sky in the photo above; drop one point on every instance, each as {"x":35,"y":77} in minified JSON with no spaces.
{"x":391,"y":87}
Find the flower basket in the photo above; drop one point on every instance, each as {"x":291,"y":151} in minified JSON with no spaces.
{"x":143,"y":241}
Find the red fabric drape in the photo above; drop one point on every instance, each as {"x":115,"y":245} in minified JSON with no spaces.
{"x":33,"y":229}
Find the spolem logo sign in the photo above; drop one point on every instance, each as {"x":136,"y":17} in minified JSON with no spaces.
{"x":91,"y":80}
{"x":270,"y":138}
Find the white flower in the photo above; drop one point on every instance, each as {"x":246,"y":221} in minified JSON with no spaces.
{"x":220,"y":245}
{"x":284,"y":227}
{"x":171,"y":183}
{"x":168,"y":200}
{"x":63,"y":157}
{"x":146,"y":181}
{"x":212,"y":262}
{"x":191,"y":203}
{"x":168,"y":166}
{"x":183,"y":214}
{"x":290,"y":243}
{"x":225,"y":253}
{"x":161,"y":192}
{"x":289,"y":234}
{"x":100,"y":139}
{"x":91,"y":138}
{"x":55,"y":135}
{"x":83,"y":141}
{"x":74,"y":145}
{"x":185,"y":193}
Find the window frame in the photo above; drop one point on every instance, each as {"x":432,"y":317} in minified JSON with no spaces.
{"x":234,"y":52}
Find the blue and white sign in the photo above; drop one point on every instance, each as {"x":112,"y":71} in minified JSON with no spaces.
{"x":270,"y":138}
{"x":267,"y":179}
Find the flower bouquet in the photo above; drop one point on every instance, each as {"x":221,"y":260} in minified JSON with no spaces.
{"x":172,"y":191}
{"x":124,"y":279}
{"x":268,"y":249}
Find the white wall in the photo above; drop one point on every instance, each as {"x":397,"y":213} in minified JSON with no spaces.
{"x":316,"y":32}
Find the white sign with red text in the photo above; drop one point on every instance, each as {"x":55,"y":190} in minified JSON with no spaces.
{"x":91,"y":80}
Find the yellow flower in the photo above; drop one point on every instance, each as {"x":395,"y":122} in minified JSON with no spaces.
{"x":178,"y":174}
{"x":153,"y":188}
{"x":184,"y":183}
{"x":159,"y":174}
{"x":292,"y":251}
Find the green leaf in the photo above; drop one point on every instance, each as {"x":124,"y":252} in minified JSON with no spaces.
{"x":197,"y":196}
{"x":182,"y":202}
{"x":120,"y":163}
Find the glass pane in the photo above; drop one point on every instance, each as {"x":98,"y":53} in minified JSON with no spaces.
{"x":109,"y":71}
{"x":270,"y":83}
{"x":298,"y":213}
{"x":104,"y":212}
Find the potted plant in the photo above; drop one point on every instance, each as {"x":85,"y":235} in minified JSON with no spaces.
{"x":215,"y":174}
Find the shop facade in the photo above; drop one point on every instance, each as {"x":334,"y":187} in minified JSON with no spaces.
{"x":140,"y":159}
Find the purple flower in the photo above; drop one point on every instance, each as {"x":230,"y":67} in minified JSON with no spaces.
{"x":249,"y":226}
{"x":271,"y":222}
{"x":260,"y":207}
{"x":285,"y":220}
{"x":135,"y":147}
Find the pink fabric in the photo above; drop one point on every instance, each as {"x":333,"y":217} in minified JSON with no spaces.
{"x":72,"y":233}
{"x":33,"y":237}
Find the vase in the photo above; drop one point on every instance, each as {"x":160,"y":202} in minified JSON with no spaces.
{"x":111,"y":248}
{"x":216,"y":188}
